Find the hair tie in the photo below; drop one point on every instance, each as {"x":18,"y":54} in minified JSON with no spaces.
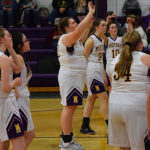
{"x":128,"y":43}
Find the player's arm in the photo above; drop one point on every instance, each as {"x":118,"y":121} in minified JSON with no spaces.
{"x":5,"y":71}
{"x":88,"y":47}
{"x":129,"y":20}
{"x":86,"y":32}
{"x":105,"y":79}
{"x":16,"y":64}
{"x":17,"y":69}
{"x":16,"y":93}
{"x":145,"y":60}
{"x":72,"y":37}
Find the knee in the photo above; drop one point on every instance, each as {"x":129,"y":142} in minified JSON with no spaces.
{"x":92,"y":98}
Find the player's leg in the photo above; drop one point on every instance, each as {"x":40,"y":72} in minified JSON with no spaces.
{"x":104,"y":105}
{"x":85,"y":128}
{"x":18,"y":143}
{"x":29,"y":136}
{"x":4,"y":145}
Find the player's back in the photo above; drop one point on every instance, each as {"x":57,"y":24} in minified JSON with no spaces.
{"x":135,"y":80}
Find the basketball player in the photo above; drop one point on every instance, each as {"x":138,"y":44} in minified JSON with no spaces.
{"x":11,"y":127}
{"x":94,"y":50}
{"x":72,"y":71}
{"x":114,"y":47}
{"x":21,"y":45}
{"x":127,"y":102}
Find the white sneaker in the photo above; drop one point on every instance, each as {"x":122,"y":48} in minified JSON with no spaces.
{"x":73,"y":141}
{"x":70,"y":146}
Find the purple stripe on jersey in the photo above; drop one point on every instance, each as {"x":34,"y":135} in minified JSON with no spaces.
{"x":74,"y":98}
{"x":98,"y":38}
{"x":114,"y":39}
{"x":15,"y":127}
{"x":70,"y":50}
{"x":24,"y":119}
{"x":97,"y":87}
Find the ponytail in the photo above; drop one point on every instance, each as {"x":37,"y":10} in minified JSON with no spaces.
{"x":130,"y":42}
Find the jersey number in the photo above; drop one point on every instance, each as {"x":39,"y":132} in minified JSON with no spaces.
{"x":115,"y":53}
{"x":127,"y":75}
{"x":100,"y":56}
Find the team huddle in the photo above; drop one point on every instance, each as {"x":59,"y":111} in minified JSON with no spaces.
{"x":127,"y":112}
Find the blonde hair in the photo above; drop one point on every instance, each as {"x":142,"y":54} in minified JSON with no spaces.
{"x":2,"y":30}
{"x":126,"y":58}
{"x":80,"y":4}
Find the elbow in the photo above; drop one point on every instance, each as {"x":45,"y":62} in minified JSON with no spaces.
{"x":5,"y":89}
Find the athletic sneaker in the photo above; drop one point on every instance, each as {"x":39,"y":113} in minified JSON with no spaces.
{"x":73,"y":141}
{"x":70,"y":146}
{"x":87,"y":130}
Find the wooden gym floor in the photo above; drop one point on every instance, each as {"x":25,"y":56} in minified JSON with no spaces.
{"x":46,"y":117}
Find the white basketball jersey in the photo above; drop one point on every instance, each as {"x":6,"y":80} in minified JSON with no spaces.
{"x":114,"y":48}
{"x":96,"y":54}
{"x":135,"y":80}
{"x":2,"y":93}
{"x":72,"y":58}
{"x":25,"y":75}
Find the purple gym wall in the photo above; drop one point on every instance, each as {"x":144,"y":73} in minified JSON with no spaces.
{"x":102,"y":8}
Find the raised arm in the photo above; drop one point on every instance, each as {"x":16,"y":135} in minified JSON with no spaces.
{"x":88,"y":47}
{"x":72,"y":37}
{"x":15,"y":68}
{"x":5,"y":69}
{"x":129,"y":20}
{"x":86,"y":32}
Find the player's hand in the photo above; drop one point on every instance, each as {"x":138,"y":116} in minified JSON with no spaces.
{"x":129,"y":20}
{"x":18,"y":81}
{"x":91,"y":8}
{"x":108,"y":19}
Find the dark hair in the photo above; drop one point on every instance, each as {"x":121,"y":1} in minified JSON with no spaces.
{"x":108,"y":27}
{"x":139,"y":22}
{"x":126,"y":58}
{"x":64,"y":22}
{"x":96,"y":23}
{"x":17,"y":38}
{"x":109,"y":13}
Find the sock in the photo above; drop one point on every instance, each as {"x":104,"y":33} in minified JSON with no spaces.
{"x":67,"y":138}
{"x":86,"y":122}
{"x":106,"y":122}
{"x":71,"y":134}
